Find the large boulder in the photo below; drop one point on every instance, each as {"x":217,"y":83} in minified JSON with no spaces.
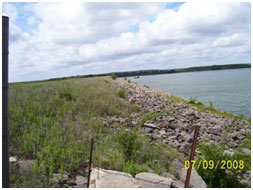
{"x":195,"y":180}
{"x":151,"y":180}
{"x":101,"y":178}
{"x":81,"y":181}
{"x":177,"y":184}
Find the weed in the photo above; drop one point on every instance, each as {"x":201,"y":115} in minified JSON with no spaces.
{"x":135,"y":107}
{"x":134,"y":168}
{"x":122,"y":93}
{"x":114,"y":76}
{"x":219,"y":177}
{"x":148,"y":116}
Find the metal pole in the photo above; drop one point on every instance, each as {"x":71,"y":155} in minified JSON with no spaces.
{"x":5,"y":130}
{"x":91,"y":149}
{"x":187,"y":180}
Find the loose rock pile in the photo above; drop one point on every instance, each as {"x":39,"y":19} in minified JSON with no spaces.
{"x":177,"y":129}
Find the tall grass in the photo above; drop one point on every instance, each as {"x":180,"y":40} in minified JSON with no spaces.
{"x":52,"y":123}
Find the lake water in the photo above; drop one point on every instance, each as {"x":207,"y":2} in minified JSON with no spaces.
{"x":229,"y":90}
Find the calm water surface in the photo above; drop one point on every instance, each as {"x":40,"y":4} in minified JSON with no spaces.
{"x":229,"y":90}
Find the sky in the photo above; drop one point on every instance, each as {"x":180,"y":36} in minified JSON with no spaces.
{"x":50,"y":40}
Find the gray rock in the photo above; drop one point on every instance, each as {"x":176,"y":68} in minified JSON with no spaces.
{"x":177,"y":164}
{"x":172,"y":138}
{"x":213,"y":120}
{"x":228,"y":152}
{"x":171,"y":119}
{"x":84,"y":185}
{"x":234,"y":136}
{"x":167,"y":175}
{"x":177,"y":184}
{"x":237,"y":128}
{"x":172,"y":126}
{"x":25,"y":166}
{"x":72,"y":183}
{"x":81,"y":179}
{"x":217,"y":129}
{"x":232,"y":144}
{"x":112,"y":179}
{"x":12,"y":159}
{"x":164,"y":124}
{"x":150,"y":180}
{"x":185,"y":148}
{"x":148,"y":130}
{"x":215,"y":137}
{"x":150,"y":125}
{"x":246,"y":151}
{"x":247,"y":131}
{"x":189,"y":139}
{"x":59,"y":178}
{"x":195,"y":180}
{"x":162,"y":132}
{"x":243,"y":132}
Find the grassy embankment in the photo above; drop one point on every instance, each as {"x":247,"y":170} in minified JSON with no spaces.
{"x":52,"y":122}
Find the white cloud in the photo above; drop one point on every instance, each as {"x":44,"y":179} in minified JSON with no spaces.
{"x":83,"y":38}
{"x":11,"y":11}
{"x":71,"y":23}
{"x":32,"y":20}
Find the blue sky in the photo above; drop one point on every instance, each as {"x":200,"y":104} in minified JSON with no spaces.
{"x":63,"y":39}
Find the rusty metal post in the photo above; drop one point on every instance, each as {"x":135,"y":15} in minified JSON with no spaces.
{"x":91,"y":150}
{"x":5,"y":127}
{"x":187,"y":180}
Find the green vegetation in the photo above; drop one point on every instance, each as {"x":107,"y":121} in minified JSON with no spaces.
{"x":131,"y":152}
{"x":222,"y":177}
{"x":210,"y":109}
{"x":114,"y":76}
{"x":29,"y":179}
{"x":122,"y":93}
{"x":149,"y":116}
{"x":52,"y":122}
{"x":193,"y":101}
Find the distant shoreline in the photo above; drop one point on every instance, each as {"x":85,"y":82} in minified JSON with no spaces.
{"x":183,"y":70}
{"x":151,"y":72}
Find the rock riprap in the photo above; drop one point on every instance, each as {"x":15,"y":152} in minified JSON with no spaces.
{"x":176,"y":128}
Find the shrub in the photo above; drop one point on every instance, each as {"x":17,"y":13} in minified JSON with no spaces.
{"x":129,"y":142}
{"x":114,"y":76}
{"x":192,"y":100}
{"x":67,"y":95}
{"x":195,"y":102}
{"x":122,"y":93}
{"x":148,"y":116}
{"x":219,"y":177}
{"x":135,"y":107}
{"x":134,"y":168}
